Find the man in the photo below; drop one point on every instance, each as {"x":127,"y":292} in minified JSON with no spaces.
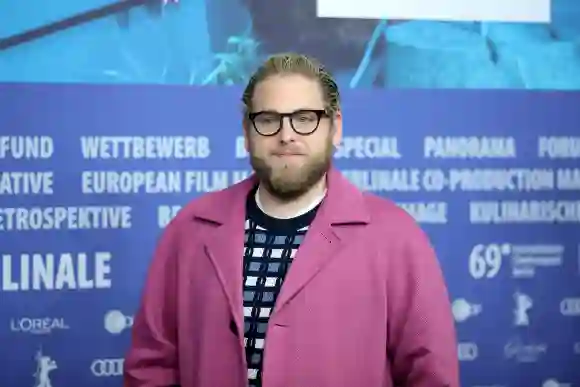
{"x":293,"y":277}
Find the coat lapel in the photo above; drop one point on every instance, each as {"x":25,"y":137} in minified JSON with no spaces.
{"x":225,"y":250}
{"x":225,"y":211}
{"x":319,"y":247}
{"x":343,"y":205}
{"x":225,"y":215}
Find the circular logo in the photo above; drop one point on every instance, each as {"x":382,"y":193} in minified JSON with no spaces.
{"x":107,"y":367}
{"x":461,"y":310}
{"x":115,"y":321}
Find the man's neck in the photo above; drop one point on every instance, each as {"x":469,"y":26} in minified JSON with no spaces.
{"x":277,"y":208}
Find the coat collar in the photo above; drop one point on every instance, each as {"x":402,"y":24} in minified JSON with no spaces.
{"x":344,"y":202}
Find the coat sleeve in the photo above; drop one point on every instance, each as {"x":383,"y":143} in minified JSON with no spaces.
{"x":422,"y":342}
{"x":152,"y":359}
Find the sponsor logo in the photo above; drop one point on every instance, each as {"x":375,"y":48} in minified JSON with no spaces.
{"x":524,"y":353}
{"x":44,"y":366}
{"x":37,"y":326}
{"x":570,"y":307}
{"x":467,"y":351}
{"x":107,"y":367}
{"x":555,"y":383}
{"x":116,"y":322}
{"x":463,"y":310}
{"x":523,"y":304}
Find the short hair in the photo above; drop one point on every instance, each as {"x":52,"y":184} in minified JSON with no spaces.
{"x":293,"y":63}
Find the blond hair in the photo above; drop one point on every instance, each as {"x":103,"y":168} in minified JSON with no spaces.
{"x":292,"y":63}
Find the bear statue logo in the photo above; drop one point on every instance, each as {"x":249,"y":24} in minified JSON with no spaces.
{"x":523,"y":304}
{"x":44,"y":366}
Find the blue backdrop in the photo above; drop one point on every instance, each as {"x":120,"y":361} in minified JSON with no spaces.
{"x":106,"y":129}
{"x":91,"y":174}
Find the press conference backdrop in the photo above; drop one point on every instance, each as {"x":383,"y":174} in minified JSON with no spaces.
{"x":96,"y":157}
{"x":92,"y":174}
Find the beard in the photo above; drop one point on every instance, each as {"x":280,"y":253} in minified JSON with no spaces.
{"x":288,"y":182}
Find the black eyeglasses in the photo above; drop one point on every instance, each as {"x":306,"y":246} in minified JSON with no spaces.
{"x":303,"y":122}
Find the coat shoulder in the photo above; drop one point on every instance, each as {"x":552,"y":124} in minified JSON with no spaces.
{"x":390,"y":218}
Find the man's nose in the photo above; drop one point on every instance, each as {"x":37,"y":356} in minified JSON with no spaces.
{"x":286,"y":132}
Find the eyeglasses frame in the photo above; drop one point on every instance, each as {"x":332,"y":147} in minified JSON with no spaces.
{"x":320,"y":113}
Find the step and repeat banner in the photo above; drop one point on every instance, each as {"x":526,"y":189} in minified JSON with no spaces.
{"x":473,"y":127}
{"x":92,"y":174}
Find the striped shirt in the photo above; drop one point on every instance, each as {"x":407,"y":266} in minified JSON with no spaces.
{"x":270,"y":246}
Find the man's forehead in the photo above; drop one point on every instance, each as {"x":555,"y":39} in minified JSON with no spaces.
{"x":288,"y":93}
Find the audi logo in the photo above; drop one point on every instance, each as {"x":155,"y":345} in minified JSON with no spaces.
{"x":107,"y":367}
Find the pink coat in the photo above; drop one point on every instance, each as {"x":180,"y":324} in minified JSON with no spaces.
{"x":364,"y":304}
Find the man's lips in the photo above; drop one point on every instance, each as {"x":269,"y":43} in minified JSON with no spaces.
{"x":286,"y":154}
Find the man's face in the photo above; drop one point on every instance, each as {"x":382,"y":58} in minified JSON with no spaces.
{"x":288,"y":163}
